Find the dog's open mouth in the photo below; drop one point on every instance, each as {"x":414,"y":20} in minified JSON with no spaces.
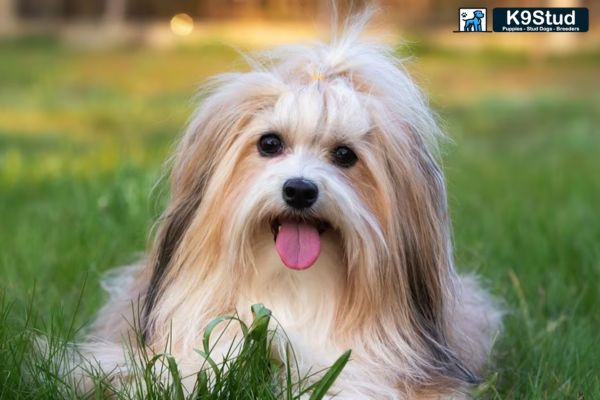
{"x":298,"y":241}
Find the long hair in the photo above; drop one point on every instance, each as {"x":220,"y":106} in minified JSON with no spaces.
{"x":399,"y":274}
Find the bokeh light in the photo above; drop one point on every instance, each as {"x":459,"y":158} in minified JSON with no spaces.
{"x":182,"y":24}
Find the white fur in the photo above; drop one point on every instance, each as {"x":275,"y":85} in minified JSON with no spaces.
{"x":358,"y":295}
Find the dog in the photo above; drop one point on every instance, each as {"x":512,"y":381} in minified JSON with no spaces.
{"x":311,"y":184}
{"x":474,"y":24}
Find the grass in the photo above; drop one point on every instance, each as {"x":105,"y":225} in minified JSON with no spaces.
{"x":83,"y":136}
{"x":248,"y":370}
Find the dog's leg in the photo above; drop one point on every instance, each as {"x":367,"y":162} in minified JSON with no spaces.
{"x":474,"y":322}
{"x":112,"y":343}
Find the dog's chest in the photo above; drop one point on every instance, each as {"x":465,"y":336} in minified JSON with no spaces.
{"x":303,"y":303}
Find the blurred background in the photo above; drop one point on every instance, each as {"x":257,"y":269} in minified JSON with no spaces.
{"x":94,"y":93}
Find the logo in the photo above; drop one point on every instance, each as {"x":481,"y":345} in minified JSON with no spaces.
{"x":541,"y":19}
{"x":472,"y":20}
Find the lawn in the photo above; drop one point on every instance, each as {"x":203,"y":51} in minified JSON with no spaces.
{"x":84,"y":134}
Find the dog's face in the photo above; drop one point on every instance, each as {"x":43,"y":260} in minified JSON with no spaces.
{"x":317,"y":148}
{"x":478,"y":14}
{"x":306,"y":164}
{"x":330,"y":147}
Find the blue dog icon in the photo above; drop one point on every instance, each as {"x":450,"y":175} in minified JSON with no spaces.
{"x":473,"y":24}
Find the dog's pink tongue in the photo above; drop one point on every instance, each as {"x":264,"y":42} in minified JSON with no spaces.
{"x":298,"y":244}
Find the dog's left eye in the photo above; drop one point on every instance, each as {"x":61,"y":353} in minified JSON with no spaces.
{"x":270,"y":145}
{"x":344,"y":156}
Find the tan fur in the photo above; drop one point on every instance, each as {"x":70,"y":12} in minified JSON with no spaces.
{"x":384,"y":285}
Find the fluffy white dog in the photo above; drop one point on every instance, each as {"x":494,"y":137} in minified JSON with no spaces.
{"x":310,"y":184}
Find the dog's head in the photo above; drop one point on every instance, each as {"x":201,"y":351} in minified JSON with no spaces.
{"x":331,"y":140}
{"x":478,"y":14}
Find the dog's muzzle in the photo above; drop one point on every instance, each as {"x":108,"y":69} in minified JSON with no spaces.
{"x":298,"y":240}
{"x":300,"y":193}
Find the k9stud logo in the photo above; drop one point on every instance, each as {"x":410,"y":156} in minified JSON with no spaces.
{"x":541,"y":19}
{"x":522,"y":19}
{"x":472,"y":20}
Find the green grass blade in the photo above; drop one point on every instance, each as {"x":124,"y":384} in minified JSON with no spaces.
{"x":288,"y":372}
{"x":320,"y":388}
{"x":214,"y":323}
{"x":260,"y":325}
{"x":213,"y":365}
{"x":177,"y":384}
{"x":202,"y":386}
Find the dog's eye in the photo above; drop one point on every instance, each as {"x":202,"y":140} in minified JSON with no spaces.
{"x":344,"y":156}
{"x":270,"y":144}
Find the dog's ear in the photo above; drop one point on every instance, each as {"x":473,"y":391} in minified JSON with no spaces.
{"x":430,"y":265}
{"x":421,"y":252}
{"x":172,"y":226}
{"x":427,"y":254}
{"x":230,"y":102}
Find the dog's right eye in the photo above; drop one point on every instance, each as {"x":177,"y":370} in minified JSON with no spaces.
{"x":270,"y":145}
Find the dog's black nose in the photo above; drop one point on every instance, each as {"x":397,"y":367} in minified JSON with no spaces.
{"x":300,"y":193}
